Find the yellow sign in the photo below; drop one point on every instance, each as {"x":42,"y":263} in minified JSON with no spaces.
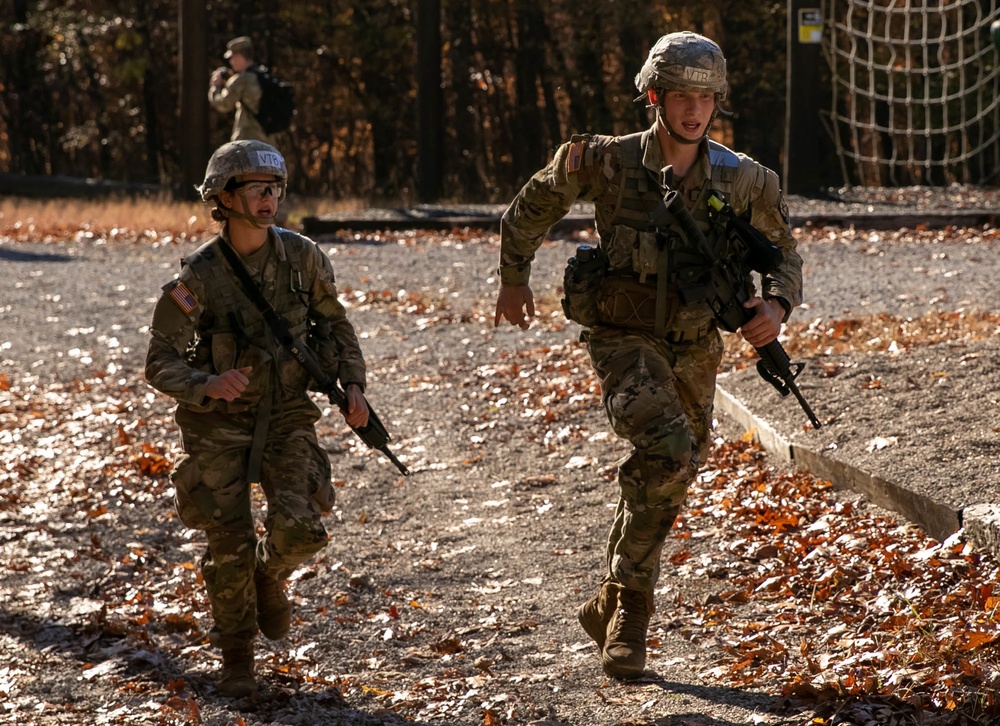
{"x":810,"y":25}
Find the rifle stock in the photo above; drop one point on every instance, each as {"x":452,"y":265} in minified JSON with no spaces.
{"x":727,"y":295}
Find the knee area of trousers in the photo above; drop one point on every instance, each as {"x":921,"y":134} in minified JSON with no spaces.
{"x":299,"y":536}
{"x":232,"y":545}
{"x":675,"y":447}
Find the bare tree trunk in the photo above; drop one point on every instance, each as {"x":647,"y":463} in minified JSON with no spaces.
{"x":529,"y":59}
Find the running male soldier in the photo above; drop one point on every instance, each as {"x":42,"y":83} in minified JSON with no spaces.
{"x":242,"y":403}
{"x":655,"y":351}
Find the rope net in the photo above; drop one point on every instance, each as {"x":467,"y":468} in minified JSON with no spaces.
{"x":916,"y":91}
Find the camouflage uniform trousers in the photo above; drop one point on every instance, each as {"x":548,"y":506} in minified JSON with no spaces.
{"x":659,"y":397}
{"x":212,"y":494}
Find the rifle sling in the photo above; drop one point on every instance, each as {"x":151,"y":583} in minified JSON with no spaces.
{"x":278,"y":327}
{"x":662,"y":272}
{"x":261,"y":423}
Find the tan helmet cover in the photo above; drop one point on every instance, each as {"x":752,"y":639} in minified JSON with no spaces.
{"x":684,"y":61}
{"x":239,"y":158}
{"x":242,"y":45}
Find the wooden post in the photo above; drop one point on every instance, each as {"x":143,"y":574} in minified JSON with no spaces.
{"x":804,"y":158}
{"x":430,"y":129}
{"x":193,"y":73}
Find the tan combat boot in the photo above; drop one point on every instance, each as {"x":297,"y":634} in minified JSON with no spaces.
{"x":595,"y":614}
{"x":624,"y":653}
{"x":274,"y":612}
{"x":237,"y":680}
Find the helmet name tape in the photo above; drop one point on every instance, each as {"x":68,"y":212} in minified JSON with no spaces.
{"x":697,"y":75}
{"x":270,"y":158}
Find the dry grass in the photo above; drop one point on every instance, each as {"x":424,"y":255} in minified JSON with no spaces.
{"x":130,"y":219}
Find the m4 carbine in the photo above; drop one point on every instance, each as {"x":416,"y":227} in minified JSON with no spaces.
{"x":727,"y":284}
{"x":373,"y":433}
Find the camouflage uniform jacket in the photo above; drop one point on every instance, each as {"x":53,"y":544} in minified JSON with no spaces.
{"x":626,"y":178}
{"x":241,"y":94}
{"x":204,"y":324}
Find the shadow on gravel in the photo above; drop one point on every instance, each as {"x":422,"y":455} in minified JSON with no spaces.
{"x":317,"y":709}
{"x":24,"y":256}
{"x":94,"y":646}
{"x":112,"y":658}
{"x":723,"y":695}
{"x":692,"y":719}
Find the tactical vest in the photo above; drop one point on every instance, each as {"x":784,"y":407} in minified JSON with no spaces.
{"x":233,"y":312}
{"x":235,"y":334}
{"x":638,"y":191}
{"x":625,"y":211}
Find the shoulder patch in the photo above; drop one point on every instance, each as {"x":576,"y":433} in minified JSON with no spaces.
{"x":183,"y":297}
{"x":720,"y":155}
{"x":574,"y":158}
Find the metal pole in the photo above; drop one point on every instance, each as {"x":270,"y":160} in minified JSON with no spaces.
{"x":804,"y":159}
{"x":193,"y":69}
{"x":430,"y":129}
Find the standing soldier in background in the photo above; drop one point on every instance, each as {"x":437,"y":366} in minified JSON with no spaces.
{"x":242,"y":400}
{"x":239,"y":91}
{"x":652,"y":338}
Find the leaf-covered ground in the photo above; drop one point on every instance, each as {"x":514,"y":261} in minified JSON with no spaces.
{"x":450,"y":596}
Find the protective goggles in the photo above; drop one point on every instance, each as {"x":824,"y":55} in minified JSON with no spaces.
{"x":260,"y":189}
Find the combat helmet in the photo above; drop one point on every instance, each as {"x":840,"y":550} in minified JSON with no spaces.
{"x":684,"y":61}
{"x":238,"y":158}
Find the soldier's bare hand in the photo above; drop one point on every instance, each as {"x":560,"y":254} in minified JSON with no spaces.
{"x":230,"y":384}
{"x":512,"y":302}
{"x":766,"y":322}
{"x":357,"y":407}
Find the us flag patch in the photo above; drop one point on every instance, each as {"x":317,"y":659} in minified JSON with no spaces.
{"x":183,"y":297}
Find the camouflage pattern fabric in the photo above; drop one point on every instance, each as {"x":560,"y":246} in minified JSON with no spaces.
{"x":192,"y":339}
{"x":591,"y":168}
{"x":241,"y":94}
{"x":188,"y":346}
{"x":684,"y":61}
{"x":212,"y":495}
{"x":658,"y":396}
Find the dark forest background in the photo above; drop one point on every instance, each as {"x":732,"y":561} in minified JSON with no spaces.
{"x":89,"y":88}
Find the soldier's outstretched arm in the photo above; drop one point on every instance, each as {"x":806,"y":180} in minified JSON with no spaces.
{"x":512,"y":303}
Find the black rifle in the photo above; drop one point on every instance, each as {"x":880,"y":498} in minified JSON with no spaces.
{"x":374,"y":433}
{"x":726,"y":284}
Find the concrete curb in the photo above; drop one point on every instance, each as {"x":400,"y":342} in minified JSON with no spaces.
{"x":399,"y":219}
{"x":981,"y":522}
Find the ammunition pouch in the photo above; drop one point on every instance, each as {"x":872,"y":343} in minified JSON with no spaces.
{"x":625,"y":302}
{"x":582,"y":281}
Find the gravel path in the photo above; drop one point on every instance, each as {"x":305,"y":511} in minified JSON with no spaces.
{"x":75,"y":311}
{"x":71,"y":305}
{"x":921,"y":419}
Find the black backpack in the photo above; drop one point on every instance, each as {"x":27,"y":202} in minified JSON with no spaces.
{"x":277,"y":102}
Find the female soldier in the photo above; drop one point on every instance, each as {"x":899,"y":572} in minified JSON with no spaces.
{"x":242,"y":403}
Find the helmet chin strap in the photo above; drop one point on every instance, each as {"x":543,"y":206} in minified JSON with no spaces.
{"x":680,"y":139}
{"x":258,"y":222}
